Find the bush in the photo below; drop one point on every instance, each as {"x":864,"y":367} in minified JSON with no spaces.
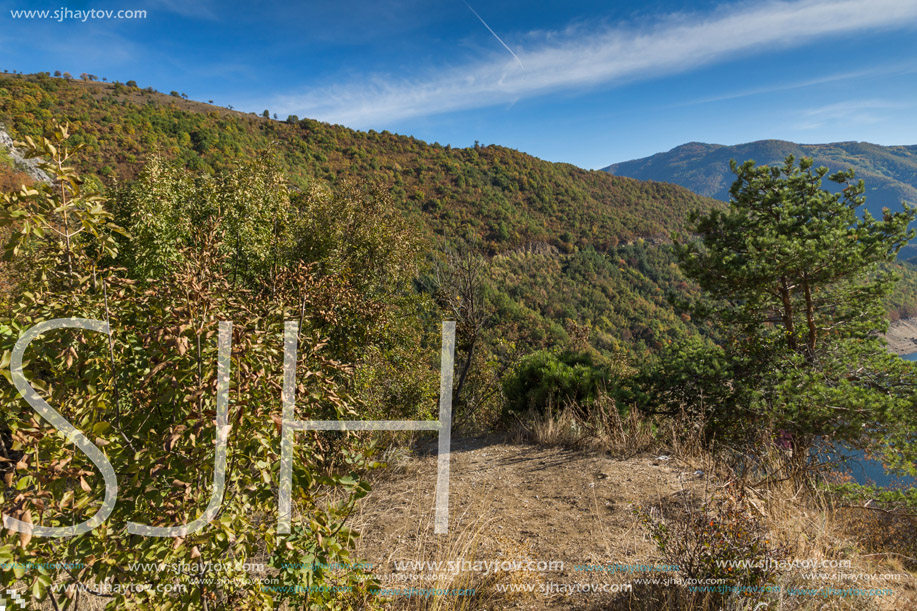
{"x":721,"y":540}
{"x":148,"y":395}
{"x":689,"y":378}
{"x":547,"y":379}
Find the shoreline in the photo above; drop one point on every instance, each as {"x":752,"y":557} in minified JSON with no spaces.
{"x":902,"y":336}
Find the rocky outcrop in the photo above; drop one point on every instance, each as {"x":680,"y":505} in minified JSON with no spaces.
{"x":902,"y":336}
{"x":28,"y":166}
{"x":537,"y":248}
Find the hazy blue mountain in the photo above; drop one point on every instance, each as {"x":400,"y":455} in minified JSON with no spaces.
{"x":890,"y":172}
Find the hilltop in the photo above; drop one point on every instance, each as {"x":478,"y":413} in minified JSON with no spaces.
{"x":890,"y":172}
{"x":564,"y":243}
{"x":507,"y":197}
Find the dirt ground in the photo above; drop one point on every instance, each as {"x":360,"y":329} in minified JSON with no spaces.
{"x":519,"y":503}
{"x":527,"y":503}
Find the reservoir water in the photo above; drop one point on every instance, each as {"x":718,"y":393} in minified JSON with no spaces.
{"x":868,"y":471}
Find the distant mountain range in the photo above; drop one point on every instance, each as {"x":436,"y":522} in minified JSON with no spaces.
{"x":890,"y":172}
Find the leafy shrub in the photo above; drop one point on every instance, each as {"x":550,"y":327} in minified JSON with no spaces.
{"x":547,"y":379}
{"x":689,"y":378}
{"x":147,"y":395}
{"x":721,"y":540}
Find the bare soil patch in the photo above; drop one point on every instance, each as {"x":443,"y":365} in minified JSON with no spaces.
{"x":519,"y":503}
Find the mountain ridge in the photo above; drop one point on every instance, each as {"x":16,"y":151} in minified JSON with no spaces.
{"x":507,"y":197}
{"x":564,"y":245}
{"x":890,"y":172}
{"x":601,"y":262}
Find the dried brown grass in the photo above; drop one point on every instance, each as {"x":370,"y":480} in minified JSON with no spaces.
{"x":602,"y":429}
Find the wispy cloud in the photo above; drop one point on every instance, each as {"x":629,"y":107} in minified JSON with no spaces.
{"x":894,"y":68}
{"x":849,"y":111}
{"x":572,"y":59}
{"x":753,"y":91}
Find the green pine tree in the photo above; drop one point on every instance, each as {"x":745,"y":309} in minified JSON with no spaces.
{"x":793,"y":285}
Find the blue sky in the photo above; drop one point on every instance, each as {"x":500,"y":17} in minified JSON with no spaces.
{"x":589,"y":83}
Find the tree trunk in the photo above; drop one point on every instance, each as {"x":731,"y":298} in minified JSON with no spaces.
{"x":787,"y":313}
{"x":463,"y":374}
{"x":810,"y":316}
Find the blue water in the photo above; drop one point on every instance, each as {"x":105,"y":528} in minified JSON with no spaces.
{"x":868,"y":471}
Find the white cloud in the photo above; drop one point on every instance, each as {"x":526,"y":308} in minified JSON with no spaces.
{"x":848,"y":111}
{"x":840,"y":110}
{"x":573,"y":59}
{"x":755,"y":91}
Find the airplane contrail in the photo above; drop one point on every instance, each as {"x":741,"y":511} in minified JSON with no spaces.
{"x":500,"y":40}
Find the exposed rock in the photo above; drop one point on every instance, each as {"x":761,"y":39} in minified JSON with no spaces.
{"x":28,"y":166}
{"x":538,"y":248}
{"x":902,"y":336}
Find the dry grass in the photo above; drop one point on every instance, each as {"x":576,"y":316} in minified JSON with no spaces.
{"x":786,"y":499}
{"x":463,"y":543}
{"x":789,"y":504}
{"x":802,"y":517}
{"x":604,"y":429}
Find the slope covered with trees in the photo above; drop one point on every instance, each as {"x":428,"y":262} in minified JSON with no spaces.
{"x":505,"y":197}
{"x":890,"y":172}
{"x":547,"y":229}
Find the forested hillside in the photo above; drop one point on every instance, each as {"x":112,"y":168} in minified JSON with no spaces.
{"x":506,"y":197}
{"x":555,"y":226}
{"x":890,"y":172}
{"x":573,"y":245}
